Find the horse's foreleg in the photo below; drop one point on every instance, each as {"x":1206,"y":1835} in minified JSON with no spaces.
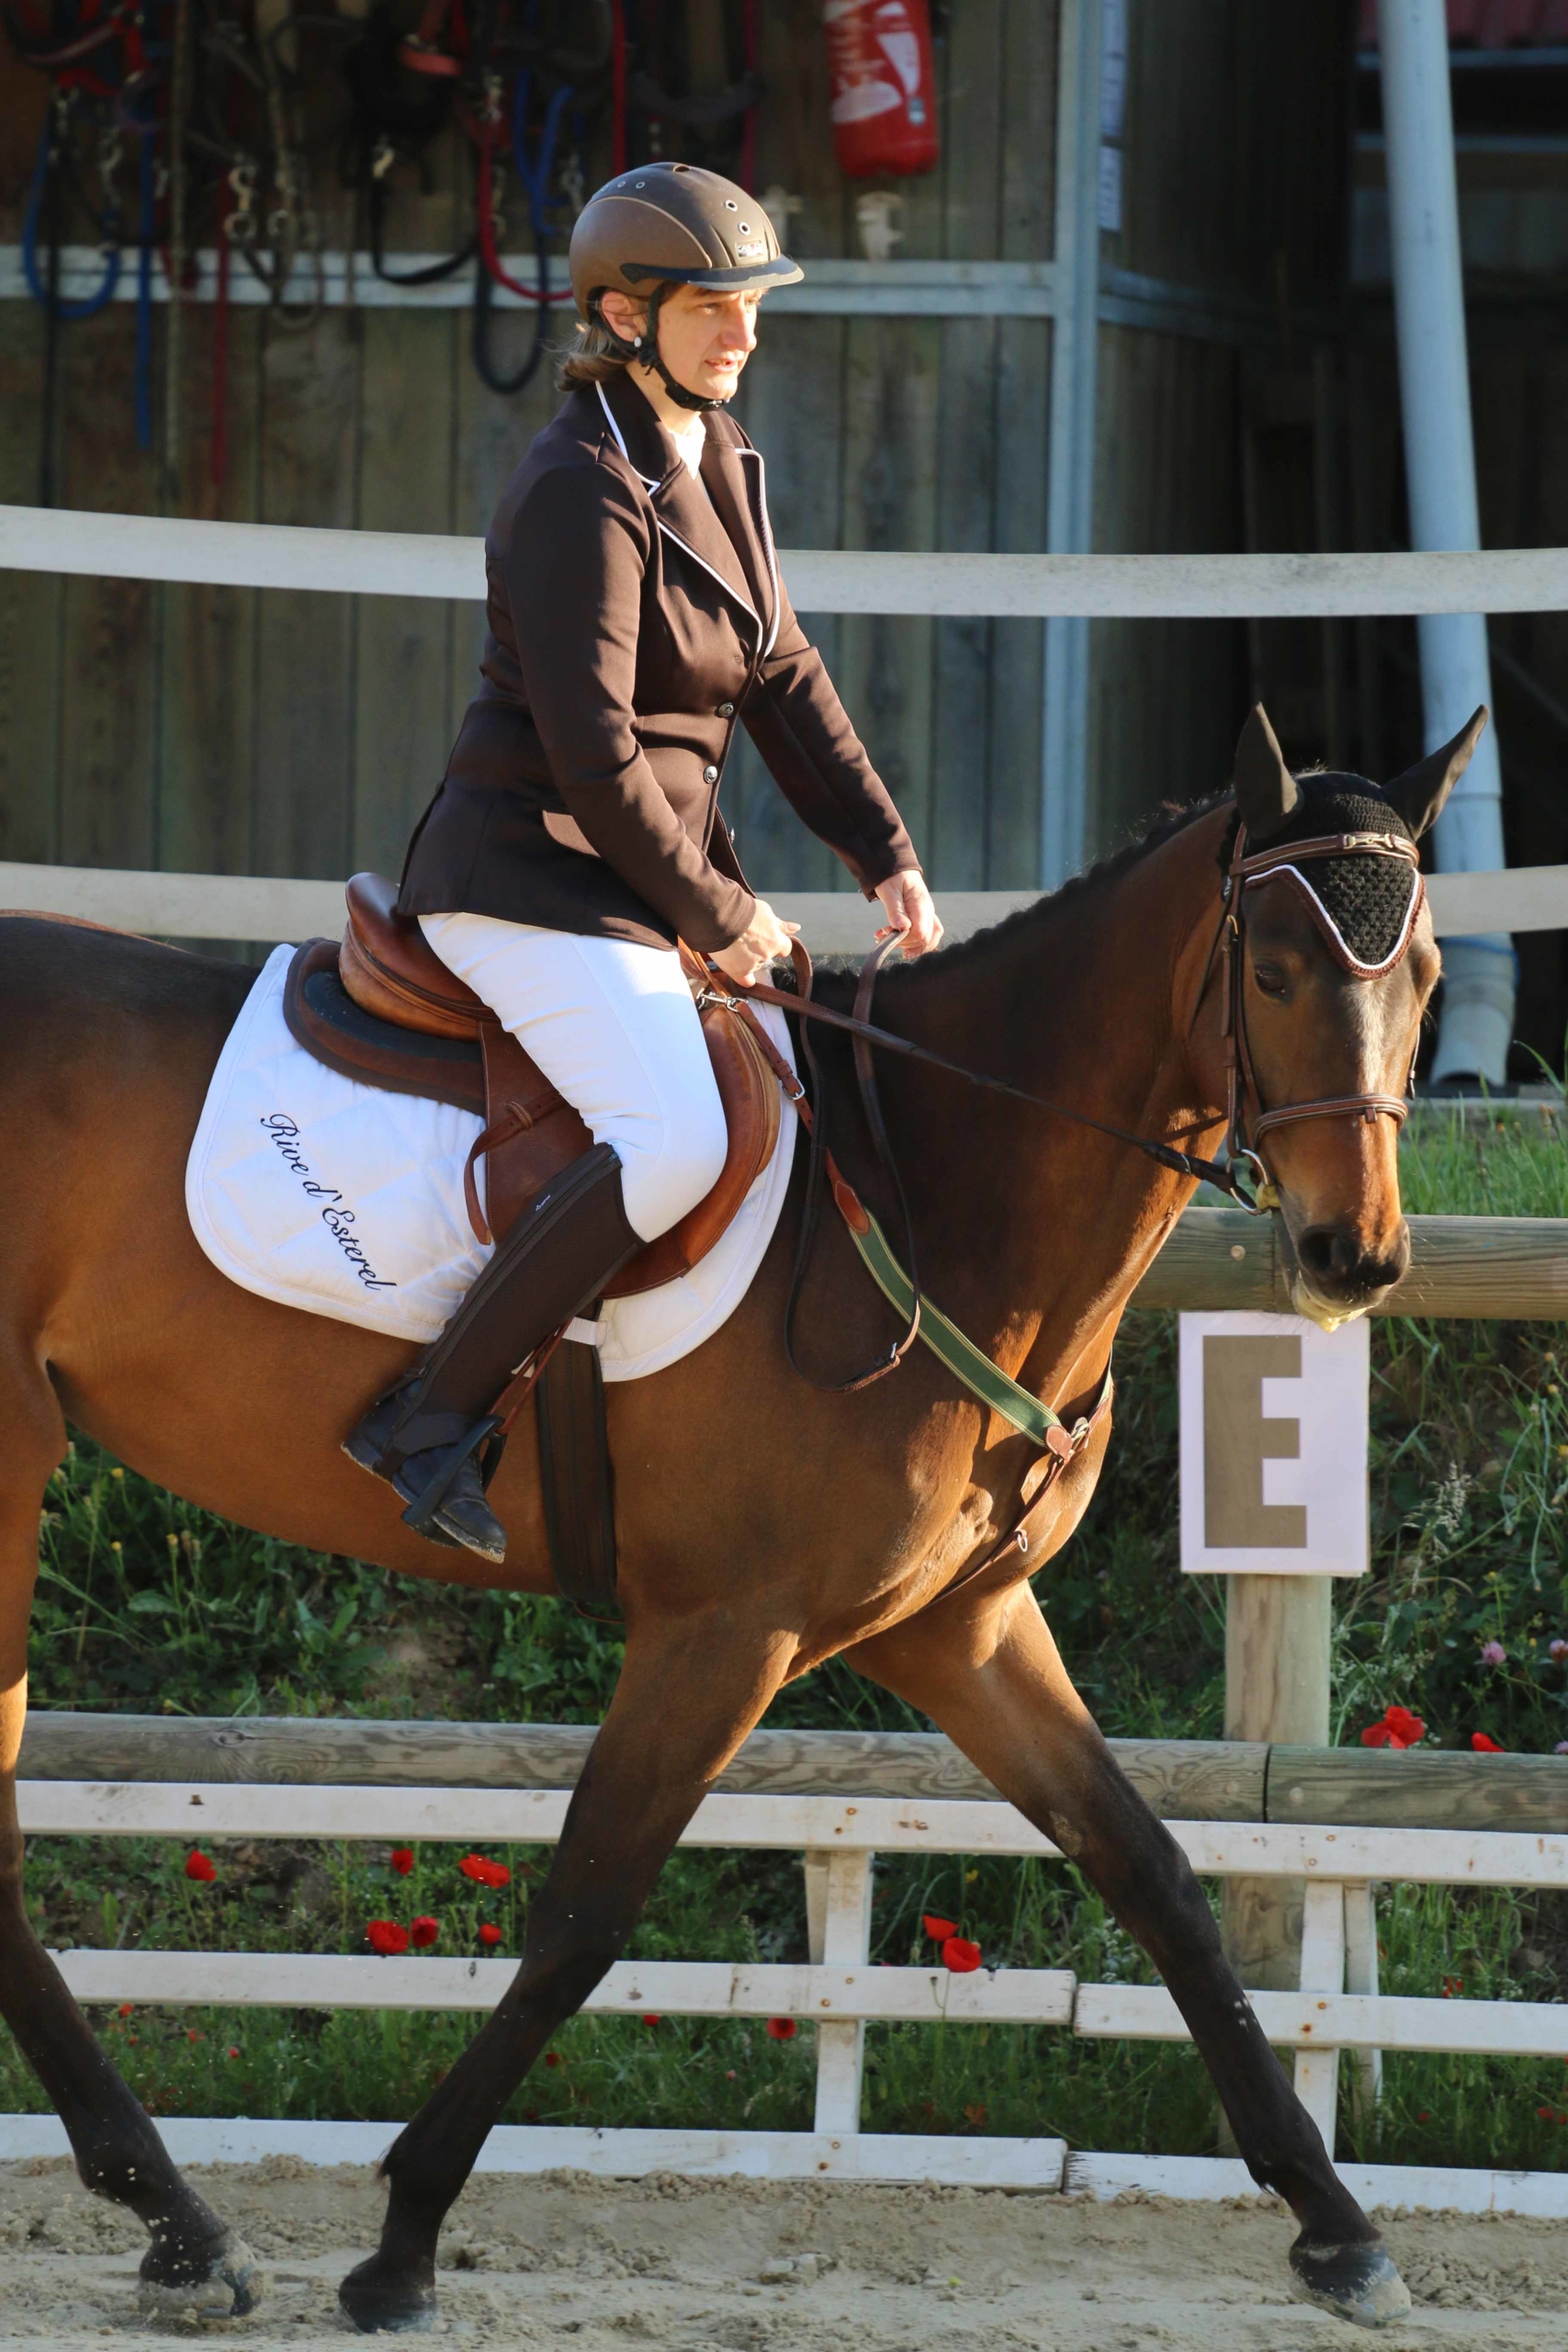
{"x":193,"y":2264}
{"x":994,"y":1683}
{"x":685,"y":1699}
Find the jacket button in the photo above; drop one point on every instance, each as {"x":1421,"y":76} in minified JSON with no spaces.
{"x":710,"y":774}
{"x":725,"y":710}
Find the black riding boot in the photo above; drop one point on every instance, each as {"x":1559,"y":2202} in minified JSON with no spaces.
{"x":425,"y":1435}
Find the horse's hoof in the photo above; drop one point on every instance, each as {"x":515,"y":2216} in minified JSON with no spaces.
{"x":376,"y":2302}
{"x":1359,"y":2282}
{"x":222,"y":2281}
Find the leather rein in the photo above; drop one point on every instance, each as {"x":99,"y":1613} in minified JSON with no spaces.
{"x":1246,"y":869}
{"x":1058,"y":1445}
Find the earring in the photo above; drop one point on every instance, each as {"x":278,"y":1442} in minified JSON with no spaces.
{"x":636,"y":343}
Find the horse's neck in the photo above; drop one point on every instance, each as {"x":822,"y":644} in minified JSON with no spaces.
{"x":1033,"y":1229}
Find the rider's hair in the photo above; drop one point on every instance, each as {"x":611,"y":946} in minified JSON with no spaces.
{"x":594,"y":358}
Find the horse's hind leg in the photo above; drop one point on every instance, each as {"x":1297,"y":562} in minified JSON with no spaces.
{"x":193,"y":2264}
{"x":993,"y":1680}
{"x":687,"y":1697}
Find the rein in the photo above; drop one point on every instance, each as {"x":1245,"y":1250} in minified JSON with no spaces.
{"x":984,"y":1379}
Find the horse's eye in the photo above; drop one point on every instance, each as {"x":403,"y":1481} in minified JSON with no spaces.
{"x":1270,"y":978}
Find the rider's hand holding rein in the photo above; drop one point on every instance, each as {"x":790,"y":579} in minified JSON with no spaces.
{"x":911,"y":913}
{"x":763,"y":942}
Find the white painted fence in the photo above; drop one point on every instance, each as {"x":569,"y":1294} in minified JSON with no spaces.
{"x":1339,"y":2007}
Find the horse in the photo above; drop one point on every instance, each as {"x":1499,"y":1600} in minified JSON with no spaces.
{"x":764,"y":1524}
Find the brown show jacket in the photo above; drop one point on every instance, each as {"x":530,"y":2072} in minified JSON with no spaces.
{"x":635,"y":616}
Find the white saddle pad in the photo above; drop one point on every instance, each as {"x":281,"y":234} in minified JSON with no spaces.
{"x":342,"y":1200}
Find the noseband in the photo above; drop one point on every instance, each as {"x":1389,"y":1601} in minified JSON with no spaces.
{"x":1241,"y":1078}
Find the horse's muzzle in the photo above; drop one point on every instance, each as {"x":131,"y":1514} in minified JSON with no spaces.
{"x":1338,"y":1273}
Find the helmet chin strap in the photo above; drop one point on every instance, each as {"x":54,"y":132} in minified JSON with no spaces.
{"x":645,"y":350}
{"x":652,"y":357}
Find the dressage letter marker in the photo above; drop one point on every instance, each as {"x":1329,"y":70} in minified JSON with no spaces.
{"x":1273,"y":1446}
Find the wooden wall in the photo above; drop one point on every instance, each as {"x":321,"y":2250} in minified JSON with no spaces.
{"x":1236,"y":183}
{"x":225,"y":730}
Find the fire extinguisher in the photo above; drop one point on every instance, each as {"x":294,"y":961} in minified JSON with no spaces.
{"x":884,"y":87}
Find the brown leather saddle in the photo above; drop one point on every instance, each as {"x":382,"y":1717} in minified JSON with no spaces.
{"x":381,"y":1007}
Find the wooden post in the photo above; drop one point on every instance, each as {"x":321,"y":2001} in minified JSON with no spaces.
{"x":837,"y":1907}
{"x":1277,"y":1630}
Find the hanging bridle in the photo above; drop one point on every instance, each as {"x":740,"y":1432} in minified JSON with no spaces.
{"x":1241,"y":1078}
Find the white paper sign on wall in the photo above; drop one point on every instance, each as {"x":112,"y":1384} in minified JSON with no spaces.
{"x":1273,"y":1446}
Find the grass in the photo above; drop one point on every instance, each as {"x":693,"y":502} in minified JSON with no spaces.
{"x":145,"y":1602}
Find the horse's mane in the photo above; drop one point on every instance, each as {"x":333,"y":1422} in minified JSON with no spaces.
{"x":1068,"y":897}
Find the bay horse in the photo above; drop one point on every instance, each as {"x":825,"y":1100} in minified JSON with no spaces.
{"x":762,"y":1526}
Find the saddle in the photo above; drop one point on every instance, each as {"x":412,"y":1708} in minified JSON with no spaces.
{"x":380,"y":1006}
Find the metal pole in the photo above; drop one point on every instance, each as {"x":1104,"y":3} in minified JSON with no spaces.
{"x":1440,"y":469}
{"x":1070,"y":486}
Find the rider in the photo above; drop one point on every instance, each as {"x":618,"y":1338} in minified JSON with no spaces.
{"x":636,"y":616}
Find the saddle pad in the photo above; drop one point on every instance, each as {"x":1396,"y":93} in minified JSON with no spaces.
{"x":344,"y":1200}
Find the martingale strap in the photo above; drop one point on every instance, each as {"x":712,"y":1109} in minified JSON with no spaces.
{"x":968,"y":1365}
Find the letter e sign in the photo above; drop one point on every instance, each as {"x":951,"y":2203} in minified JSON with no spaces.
{"x":1273,"y":1446}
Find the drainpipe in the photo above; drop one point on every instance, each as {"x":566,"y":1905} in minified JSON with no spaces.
{"x":1439,"y":473}
{"x":1069,"y":523}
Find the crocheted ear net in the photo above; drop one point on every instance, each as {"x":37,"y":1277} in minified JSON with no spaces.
{"x":1366,"y":897}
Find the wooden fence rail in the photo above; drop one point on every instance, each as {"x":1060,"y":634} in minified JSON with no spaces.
{"x":1122,"y":587}
{"x":1208,"y":1781}
{"x":1337,"y":2008}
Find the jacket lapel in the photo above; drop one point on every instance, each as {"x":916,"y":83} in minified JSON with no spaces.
{"x":733,"y":476}
{"x":687,"y":514}
{"x":683,"y":508}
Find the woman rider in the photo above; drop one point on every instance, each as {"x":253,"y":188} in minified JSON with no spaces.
{"x":636,"y":616}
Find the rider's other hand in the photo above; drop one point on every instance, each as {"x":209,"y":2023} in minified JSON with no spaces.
{"x":764,"y":938}
{"x":910,"y":912}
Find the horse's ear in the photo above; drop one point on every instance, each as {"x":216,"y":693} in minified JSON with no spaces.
{"x":1266,"y":791}
{"x":1420,"y":792}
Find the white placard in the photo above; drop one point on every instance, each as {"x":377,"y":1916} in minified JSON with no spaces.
{"x":1273,"y":1446}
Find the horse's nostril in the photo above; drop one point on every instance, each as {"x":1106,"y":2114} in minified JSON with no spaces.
{"x":1327,"y":1250}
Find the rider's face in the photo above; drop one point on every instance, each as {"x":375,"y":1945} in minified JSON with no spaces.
{"x":705,"y":337}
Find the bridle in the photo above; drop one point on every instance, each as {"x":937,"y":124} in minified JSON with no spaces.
{"x":1244,"y":871}
{"x":1241,"y":1078}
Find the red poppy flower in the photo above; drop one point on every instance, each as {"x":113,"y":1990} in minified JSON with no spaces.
{"x":1484,"y":1745}
{"x":201,"y":1867}
{"x":552,"y":2057}
{"x":782,"y":2029}
{"x":483,"y":1871}
{"x":126,"y":2008}
{"x":385,"y":1936}
{"x":1399,"y":1728}
{"x":959,"y":1954}
{"x":233,"y":2052}
{"x":1452,"y":1986}
{"x":424,"y":1932}
{"x":938,"y":1930}
{"x":489,"y":1935}
{"x":401,"y":1860}
{"x":653,"y":2019}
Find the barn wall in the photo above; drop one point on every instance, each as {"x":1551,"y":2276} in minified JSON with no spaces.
{"x":225,"y":730}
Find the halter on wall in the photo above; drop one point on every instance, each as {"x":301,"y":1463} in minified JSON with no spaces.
{"x":1367,"y":954}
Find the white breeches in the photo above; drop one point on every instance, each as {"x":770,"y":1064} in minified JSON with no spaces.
{"x":615,"y":1030}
